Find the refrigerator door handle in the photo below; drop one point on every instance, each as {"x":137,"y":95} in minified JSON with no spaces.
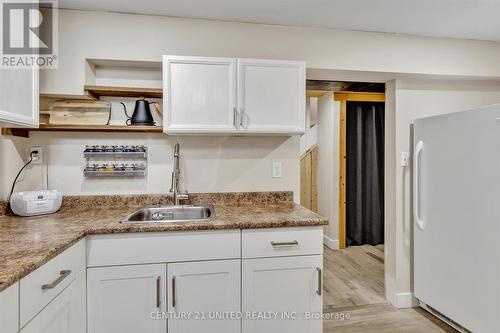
{"x":416,"y":184}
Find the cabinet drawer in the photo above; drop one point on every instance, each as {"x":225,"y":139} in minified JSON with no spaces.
{"x":258,"y":243}
{"x":42,"y":285}
{"x":149,"y":248}
{"x":64,"y":314}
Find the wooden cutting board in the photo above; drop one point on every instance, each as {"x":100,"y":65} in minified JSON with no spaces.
{"x":77,"y":112}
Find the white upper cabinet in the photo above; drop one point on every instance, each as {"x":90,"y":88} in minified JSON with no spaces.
{"x":271,"y":96}
{"x":19,"y":97}
{"x":199,"y":95}
{"x":227,"y":95}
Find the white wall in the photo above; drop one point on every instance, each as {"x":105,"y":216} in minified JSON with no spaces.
{"x":390,"y":223}
{"x":310,"y":136}
{"x":208,"y":164}
{"x":328,"y":166}
{"x":100,"y":35}
{"x":417,"y":99}
{"x":13,"y":154}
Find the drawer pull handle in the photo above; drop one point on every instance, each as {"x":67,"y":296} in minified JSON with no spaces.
{"x":64,"y":274}
{"x":158,"y":296}
{"x":320,"y":281}
{"x":291,"y":243}
{"x":174,"y":298}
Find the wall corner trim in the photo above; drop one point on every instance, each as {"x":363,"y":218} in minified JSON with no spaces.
{"x":332,"y":244}
{"x":404,"y":300}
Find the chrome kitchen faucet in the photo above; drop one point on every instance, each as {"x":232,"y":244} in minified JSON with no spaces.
{"x":174,"y":187}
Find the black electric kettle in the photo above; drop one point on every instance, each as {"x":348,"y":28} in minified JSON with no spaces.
{"x":142,"y":113}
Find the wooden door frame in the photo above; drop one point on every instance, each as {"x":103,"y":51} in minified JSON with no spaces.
{"x":343,"y":98}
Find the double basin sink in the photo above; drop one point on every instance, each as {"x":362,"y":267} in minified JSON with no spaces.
{"x":172,"y":213}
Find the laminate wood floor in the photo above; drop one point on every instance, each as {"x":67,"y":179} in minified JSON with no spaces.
{"x":354,"y":276}
{"x":354,"y":295}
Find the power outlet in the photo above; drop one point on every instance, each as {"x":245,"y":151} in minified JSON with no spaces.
{"x":277,"y":169}
{"x":38,"y":157}
{"x":405,"y":159}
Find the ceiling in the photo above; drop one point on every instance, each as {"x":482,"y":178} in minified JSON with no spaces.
{"x":469,"y":19}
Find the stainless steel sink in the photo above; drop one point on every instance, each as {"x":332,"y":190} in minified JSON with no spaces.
{"x":170,"y":214}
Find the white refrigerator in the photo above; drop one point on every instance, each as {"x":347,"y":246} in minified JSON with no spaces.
{"x":456,"y":208}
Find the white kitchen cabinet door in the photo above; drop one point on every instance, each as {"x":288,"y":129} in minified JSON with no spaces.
{"x":64,"y":314}
{"x":202,"y":290}
{"x":9,"y":309}
{"x":287,"y":286}
{"x":19,"y":98}
{"x":199,"y":95}
{"x":271,"y":96}
{"x":126,"y":299}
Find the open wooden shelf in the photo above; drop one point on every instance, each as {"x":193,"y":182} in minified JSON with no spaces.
{"x":24,"y":132}
{"x":98,"y":128}
{"x":92,"y":92}
{"x":98,"y":91}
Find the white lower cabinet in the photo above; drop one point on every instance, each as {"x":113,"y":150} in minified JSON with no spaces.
{"x":52,"y":298}
{"x":204,"y":291}
{"x":255,"y":281}
{"x":285,"y":287}
{"x":126,"y":299}
{"x":9,"y":309}
{"x":64,"y":314}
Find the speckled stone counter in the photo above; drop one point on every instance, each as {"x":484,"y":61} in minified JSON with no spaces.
{"x":26,"y":243}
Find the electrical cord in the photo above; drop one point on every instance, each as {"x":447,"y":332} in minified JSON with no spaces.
{"x":19,"y":173}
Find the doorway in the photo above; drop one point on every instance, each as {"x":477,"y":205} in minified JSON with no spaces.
{"x":364,"y":185}
{"x":354,"y":275}
{"x":358,"y":266}
{"x":361,"y":168}
{"x":357,"y":277}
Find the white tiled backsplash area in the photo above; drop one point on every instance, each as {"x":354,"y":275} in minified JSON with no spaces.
{"x":208,"y":164}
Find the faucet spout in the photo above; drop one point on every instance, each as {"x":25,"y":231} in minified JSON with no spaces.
{"x":176,"y":150}
{"x":174,"y":188}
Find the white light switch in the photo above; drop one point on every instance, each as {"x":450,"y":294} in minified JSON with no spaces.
{"x":405,"y":159}
{"x":276,"y":169}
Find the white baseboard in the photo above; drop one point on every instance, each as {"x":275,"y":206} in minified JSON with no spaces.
{"x":403,"y":300}
{"x":332,"y":244}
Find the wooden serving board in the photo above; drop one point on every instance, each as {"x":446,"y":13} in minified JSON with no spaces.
{"x":75,"y":117}
{"x":77,"y":112}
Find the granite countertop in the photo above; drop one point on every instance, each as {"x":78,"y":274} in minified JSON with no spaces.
{"x":26,"y":243}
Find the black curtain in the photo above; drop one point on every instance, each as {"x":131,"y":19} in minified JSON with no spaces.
{"x":365,"y":173}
